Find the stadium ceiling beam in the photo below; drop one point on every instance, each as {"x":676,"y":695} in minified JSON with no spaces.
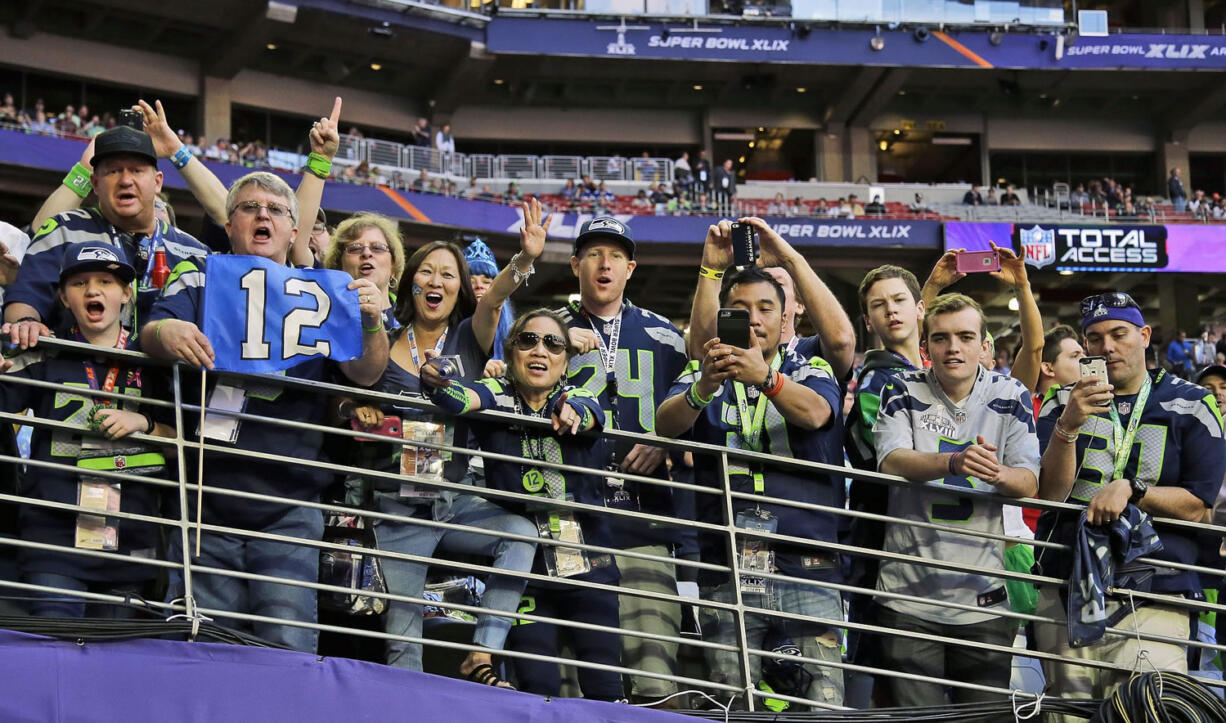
{"x":467,"y":76}
{"x":238,"y":47}
{"x":880,"y":96}
{"x":1199,"y":106}
{"x":841,"y":111}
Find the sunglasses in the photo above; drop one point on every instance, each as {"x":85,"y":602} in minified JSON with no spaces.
{"x":527,"y":341}
{"x":1111,"y":300}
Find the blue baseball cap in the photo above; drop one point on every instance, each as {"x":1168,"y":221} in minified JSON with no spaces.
{"x":95,"y":256}
{"x":1110,"y":306}
{"x":605,"y":228}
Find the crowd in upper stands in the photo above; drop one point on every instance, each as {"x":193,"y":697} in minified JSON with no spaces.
{"x":440,"y":341}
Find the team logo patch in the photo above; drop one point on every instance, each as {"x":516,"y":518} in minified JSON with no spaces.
{"x":97,"y":253}
{"x":601,"y":224}
{"x":1038,"y":246}
{"x":121,"y":462}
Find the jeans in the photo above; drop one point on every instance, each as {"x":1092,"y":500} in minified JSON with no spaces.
{"x":409,"y":578}
{"x":1181,"y":203}
{"x":815,"y":640}
{"x":261,"y":557}
{"x":63,"y":605}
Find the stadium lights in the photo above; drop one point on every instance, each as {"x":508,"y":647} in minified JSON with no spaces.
{"x":741,"y":159}
{"x":883,"y":145}
{"x":1066,"y":272}
{"x":800,"y":90}
{"x":697,"y":87}
{"x":751,"y":144}
{"x":498,"y":81}
{"x":376,"y":66}
{"x":271,"y":46}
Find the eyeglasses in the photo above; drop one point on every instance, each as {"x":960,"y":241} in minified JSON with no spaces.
{"x":252,"y":208}
{"x":1111,"y":300}
{"x":527,"y":341}
{"x":318,"y":229}
{"x":357,"y":249}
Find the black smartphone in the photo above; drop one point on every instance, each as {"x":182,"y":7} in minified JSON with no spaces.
{"x":744,"y":244}
{"x":132,"y":119}
{"x":732,"y":327}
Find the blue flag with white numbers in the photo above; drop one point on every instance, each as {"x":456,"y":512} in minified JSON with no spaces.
{"x":261,"y":316}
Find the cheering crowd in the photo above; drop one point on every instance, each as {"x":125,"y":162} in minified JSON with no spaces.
{"x":440,"y":342}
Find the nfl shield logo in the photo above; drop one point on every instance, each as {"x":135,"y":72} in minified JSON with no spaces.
{"x":121,"y":462}
{"x":1038,"y":246}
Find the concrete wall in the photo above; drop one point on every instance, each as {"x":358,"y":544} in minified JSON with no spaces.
{"x":578,"y":124}
{"x":1033,"y":134}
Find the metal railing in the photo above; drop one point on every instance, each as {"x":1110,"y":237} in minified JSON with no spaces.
{"x":720,"y":490}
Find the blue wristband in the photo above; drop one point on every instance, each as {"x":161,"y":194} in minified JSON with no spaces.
{"x":181,"y":158}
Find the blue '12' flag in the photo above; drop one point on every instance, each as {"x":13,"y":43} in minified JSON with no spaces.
{"x":261,"y":316}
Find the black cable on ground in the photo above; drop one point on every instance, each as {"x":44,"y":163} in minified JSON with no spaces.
{"x":1161,"y":697}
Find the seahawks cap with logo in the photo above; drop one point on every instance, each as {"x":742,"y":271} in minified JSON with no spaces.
{"x":605,"y":228}
{"x":95,"y":256}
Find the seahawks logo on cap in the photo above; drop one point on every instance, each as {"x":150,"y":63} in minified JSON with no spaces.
{"x":606,"y":223}
{"x":97,"y":253}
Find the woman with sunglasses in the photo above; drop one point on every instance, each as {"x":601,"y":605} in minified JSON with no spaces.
{"x":537,"y":351}
{"x":369,"y":246}
{"x":439,"y":316}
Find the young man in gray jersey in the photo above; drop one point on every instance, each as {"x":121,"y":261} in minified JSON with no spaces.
{"x":966,"y":428}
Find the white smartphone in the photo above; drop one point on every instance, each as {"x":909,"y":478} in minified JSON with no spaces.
{"x":1094,"y":366}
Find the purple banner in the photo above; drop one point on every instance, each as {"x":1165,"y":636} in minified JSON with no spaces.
{"x":1195,"y":248}
{"x":822,"y":46}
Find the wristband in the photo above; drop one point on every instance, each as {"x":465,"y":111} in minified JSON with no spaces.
{"x":695,"y":400}
{"x":1064,"y":434}
{"x":452,"y":398}
{"x":375,"y":330}
{"x":709,"y":273}
{"x":149,"y":419}
{"x":953,"y":463}
{"x":157,"y":328}
{"x":78,"y":180}
{"x":319,"y":165}
{"x":181,"y":157}
{"x":777,"y":386}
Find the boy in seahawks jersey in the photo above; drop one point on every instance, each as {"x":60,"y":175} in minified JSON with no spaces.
{"x":969,"y":429}
{"x":766,"y":399}
{"x":627,"y":357}
{"x":1138,"y":437}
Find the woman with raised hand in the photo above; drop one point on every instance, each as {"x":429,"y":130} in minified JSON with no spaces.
{"x":441,"y":320}
{"x":369,"y":246}
{"x":537,"y":351}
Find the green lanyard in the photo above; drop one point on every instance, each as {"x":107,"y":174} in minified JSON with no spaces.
{"x":751,"y":426}
{"x":1123,"y":439}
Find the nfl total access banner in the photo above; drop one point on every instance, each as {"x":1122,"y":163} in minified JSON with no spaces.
{"x":1197,"y":248}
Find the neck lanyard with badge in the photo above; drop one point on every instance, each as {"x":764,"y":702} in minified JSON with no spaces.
{"x":555,"y":524}
{"x":617,"y":494}
{"x":756,"y":555}
{"x":100,"y":495}
{"x":1122,"y":439}
{"x":415,"y":459}
{"x":412,"y":340}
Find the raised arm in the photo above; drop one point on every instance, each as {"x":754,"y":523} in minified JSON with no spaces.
{"x":1030,"y":356}
{"x":204,"y":185}
{"x":716,"y":260}
{"x":1058,"y":470}
{"x":943,"y":275}
{"x":366,"y":369}
{"x":531,"y":244}
{"x":693,"y":390}
{"x":325,"y":139}
{"x":71,"y":192}
{"x":833,"y":325}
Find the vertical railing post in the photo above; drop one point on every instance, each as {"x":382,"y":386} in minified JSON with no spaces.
{"x":735,"y":563}
{"x":189,"y":600}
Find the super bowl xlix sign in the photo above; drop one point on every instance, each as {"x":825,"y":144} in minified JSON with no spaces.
{"x":1089,"y":248}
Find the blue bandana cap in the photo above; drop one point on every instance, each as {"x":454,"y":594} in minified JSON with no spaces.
{"x":480,"y":259}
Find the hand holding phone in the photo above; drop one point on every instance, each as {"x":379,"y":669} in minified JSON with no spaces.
{"x":732,"y":327}
{"x":744,"y":244}
{"x":974,"y":262}
{"x":1094,"y":366}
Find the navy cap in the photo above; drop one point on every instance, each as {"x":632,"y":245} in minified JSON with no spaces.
{"x":123,"y":140}
{"x":1213,"y":369}
{"x":605,"y":228}
{"x":95,"y":256}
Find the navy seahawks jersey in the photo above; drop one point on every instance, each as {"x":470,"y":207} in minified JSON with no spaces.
{"x":720,"y":424}
{"x":650,"y":352}
{"x":39,"y":276}
{"x":1179,"y":443}
{"x":583,"y":450}
{"x":183,"y":299}
{"x":40,"y":524}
